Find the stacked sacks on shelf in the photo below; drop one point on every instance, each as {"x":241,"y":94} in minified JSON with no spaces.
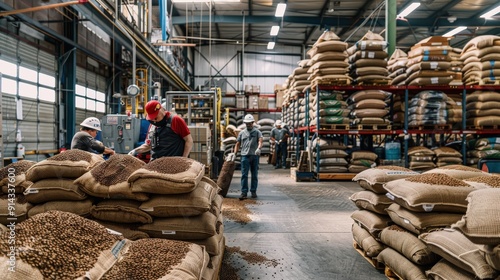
{"x":456,"y":65}
{"x":481,"y":60}
{"x":428,"y":108}
{"x":297,"y":81}
{"x":397,"y":67}
{"x":301,"y":121}
{"x":371,"y":219}
{"x":266,"y":125}
{"x":362,"y":160}
{"x":367,"y":59}
{"x":421,"y":158}
{"x":13,"y":183}
{"x":53,"y":185}
{"x":332,"y":155}
{"x":482,"y":108}
{"x":398,"y":110}
{"x":454,"y":109}
{"x":369,"y":107}
{"x":422,"y":203}
{"x":447,"y":156}
{"x":471,"y":245}
{"x":482,"y":148}
{"x":328,"y":63}
{"x":429,"y":62}
{"x":332,"y":108}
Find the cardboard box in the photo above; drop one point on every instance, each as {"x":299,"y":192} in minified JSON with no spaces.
{"x":253,"y":102}
{"x":263,"y":103}
{"x":278,"y":87}
{"x":432,"y":41}
{"x":200,"y":133}
{"x":200,"y":147}
{"x":203,"y":157}
{"x":241,"y":101}
{"x":280,"y":98}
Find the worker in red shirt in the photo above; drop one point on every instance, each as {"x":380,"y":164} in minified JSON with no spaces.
{"x":168,"y":134}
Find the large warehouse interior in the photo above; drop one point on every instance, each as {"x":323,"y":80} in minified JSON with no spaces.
{"x":249,"y":139}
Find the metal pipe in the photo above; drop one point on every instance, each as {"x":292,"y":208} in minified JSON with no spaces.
{"x":40,"y":8}
{"x":119,"y":25}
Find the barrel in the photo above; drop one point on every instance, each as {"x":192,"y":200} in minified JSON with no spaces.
{"x":392,"y":150}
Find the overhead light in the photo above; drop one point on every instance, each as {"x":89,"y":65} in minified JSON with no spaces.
{"x":408,"y":10}
{"x":270,"y":45}
{"x":491,"y":13}
{"x":274,"y":30}
{"x":455,"y":31}
{"x":202,"y":1}
{"x":280,"y":10}
{"x":330,"y":7}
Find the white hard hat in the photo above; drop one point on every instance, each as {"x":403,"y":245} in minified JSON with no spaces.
{"x":92,"y":123}
{"x":248,"y":119}
{"x":278,"y":123}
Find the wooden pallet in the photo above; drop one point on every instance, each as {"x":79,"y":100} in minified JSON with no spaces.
{"x":432,"y":127}
{"x":373,"y":261}
{"x":335,"y":176}
{"x":373,"y":127}
{"x":391,"y":275}
{"x":341,"y":126}
{"x":483,"y":127}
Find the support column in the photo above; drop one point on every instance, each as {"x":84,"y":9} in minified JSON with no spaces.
{"x":390,"y":25}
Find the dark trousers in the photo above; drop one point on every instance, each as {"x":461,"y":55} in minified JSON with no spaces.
{"x":249,"y":163}
{"x":281,"y":154}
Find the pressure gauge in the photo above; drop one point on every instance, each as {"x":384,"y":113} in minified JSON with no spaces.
{"x":133,"y":90}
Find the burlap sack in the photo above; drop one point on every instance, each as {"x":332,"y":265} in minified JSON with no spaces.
{"x":372,"y":222}
{"x":120,"y":211}
{"x":483,"y":182}
{"x":460,"y":251}
{"x":356,"y":168}
{"x":226,"y":176}
{"x":458,"y":171}
{"x":418,"y":222}
{"x":19,"y":188}
{"x":69,"y":164}
{"x":366,"y":241}
{"x":371,"y":201}
{"x":167,"y":175}
{"x":181,"y":205}
{"x":109,"y":179}
{"x":374,"y":178}
{"x":331,"y":153}
{"x":481,"y":222}
{"x":444,"y":270}
{"x":14,"y":174}
{"x":21,"y":208}
{"x":430,"y":192}
{"x":213,"y":244}
{"x":213,"y":269}
{"x":420,"y":151}
{"x":128,"y":231}
{"x":182,"y":228}
{"x":80,"y":207}
{"x":400,"y":265}
{"x":407,"y":244}
{"x":16,"y":269}
{"x":166,"y":259}
{"x":52,"y":189}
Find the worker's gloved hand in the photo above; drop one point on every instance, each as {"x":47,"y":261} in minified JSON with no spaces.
{"x":230,"y":157}
{"x":257,"y":152}
{"x":133,"y":153}
{"x":276,"y":142}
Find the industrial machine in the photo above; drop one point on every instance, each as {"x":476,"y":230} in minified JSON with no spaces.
{"x":120,"y":132}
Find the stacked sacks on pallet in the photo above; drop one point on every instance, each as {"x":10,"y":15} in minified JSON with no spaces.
{"x":371,"y":218}
{"x":397,"y":67}
{"x":297,"y":81}
{"x":429,"y":63}
{"x":332,"y":108}
{"x":266,"y":125}
{"x":481,"y":148}
{"x":428,"y":108}
{"x":421,"y":203}
{"x":301,"y":121}
{"x":421,"y":158}
{"x":367,"y":59}
{"x":13,"y":183}
{"x":362,"y":160}
{"x":481,"y":60}
{"x":456,"y":65}
{"x":369,"y":107}
{"x":398,"y":110}
{"x":331,"y":154}
{"x":471,"y":245}
{"x":328,"y":63}
{"x":482,"y":108}
{"x":447,"y":156}
{"x":53,"y":185}
{"x":454,"y":109}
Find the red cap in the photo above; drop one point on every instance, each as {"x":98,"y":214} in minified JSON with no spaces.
{"x":152,"y":109}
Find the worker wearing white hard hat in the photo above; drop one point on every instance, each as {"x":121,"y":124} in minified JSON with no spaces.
{"x":250,"y":141}
{"x":85,"y":138}
{"x":279,"y":136}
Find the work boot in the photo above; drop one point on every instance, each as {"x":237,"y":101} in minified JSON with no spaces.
{"x":254,"y":195}
{"x":243,"y":196}
{"x":276,"y":167}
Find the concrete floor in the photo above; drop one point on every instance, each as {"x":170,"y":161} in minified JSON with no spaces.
{"x":304,"y":226}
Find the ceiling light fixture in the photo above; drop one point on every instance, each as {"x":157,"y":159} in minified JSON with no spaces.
{"x":202,"y":1}
{"x":455,"y":31}
{"x":490,"y":14}
{"x":271,"y":45}
{"x":408,"y":10}
{"x":331,"y":9}
{"x":274,"y":30}
{"x":280,"y":10}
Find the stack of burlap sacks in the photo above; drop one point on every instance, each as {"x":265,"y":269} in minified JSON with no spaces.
{"x":328,"y":107}
{"x":362,"y":160}
{"x":369,"y":107}
{"x":397,"y":67}
{"x":481,"y":57}
{"x":296,"y":82}
{"x":442,"y":224}
{"x":265,"y":126}
{"x":332,"y":155}
{"x":421,"y":158}
{"x":168,"y":198}
{"x":482,"y":148}
{"x":482,"y":108}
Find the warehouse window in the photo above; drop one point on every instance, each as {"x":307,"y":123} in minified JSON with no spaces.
{"x":90,"y":99}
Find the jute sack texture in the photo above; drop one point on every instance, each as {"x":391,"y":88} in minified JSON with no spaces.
{"x":430,"y":192}
{"x":371,"y":201}
{"x":21,"y":206}
{"x":182,"y":228}
{"x":458,"y":171}
{"x":128,"y":231}
{"x":167,"y":175}
{"x":52,"y":189}
{"x":444,"y":270}
{"x":120,"y":211}
{"x":372,"y":222}
{"x":69,"y":164}
{"x":400,"y":265}
{"x":15,"y":175}
{"x":109,"y":179}
{"x":484,"y":181}
{"x":453,"y":246}
{"x":373,"y":179}
{"x":226,"y":176}
{"x":80,"y":207}
{"x":366,"y":241}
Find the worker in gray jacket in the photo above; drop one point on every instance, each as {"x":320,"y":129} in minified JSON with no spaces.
{"x":279,"y":137}
{"x":250,"y":141}
{"x":85,"y":138}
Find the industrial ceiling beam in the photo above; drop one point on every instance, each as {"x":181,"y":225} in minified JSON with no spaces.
{"x":41,"y":8}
